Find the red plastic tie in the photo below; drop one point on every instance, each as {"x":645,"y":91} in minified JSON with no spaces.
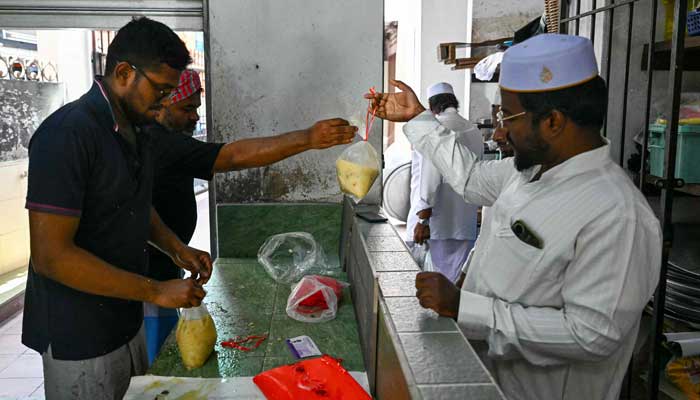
{"x":368,"y":121}
{"x":238,"y":342}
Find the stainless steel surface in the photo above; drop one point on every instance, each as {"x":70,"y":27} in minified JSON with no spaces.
{"x":397,"y":192}
{"x":49,"y":14}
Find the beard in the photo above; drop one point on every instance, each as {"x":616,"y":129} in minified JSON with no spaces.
{"x":135,"y":117}
{"x":168,"y":121}
{"x":532,"y":151}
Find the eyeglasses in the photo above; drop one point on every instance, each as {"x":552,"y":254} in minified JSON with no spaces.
{"x":161,"y":92}
{"x":501,"y":119}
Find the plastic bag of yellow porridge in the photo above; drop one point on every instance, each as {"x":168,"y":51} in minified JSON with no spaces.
{"x":357,"y":168}
{"x":196,"y":336}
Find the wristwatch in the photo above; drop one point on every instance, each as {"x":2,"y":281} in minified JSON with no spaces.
{"x":424,"y":221}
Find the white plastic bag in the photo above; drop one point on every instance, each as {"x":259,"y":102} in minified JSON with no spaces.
{"x":287,"y":257}
{"x":315,"y":299}
{"x":357,"y":169}
{"x":196,"y":336}
{"x":421,"y":253}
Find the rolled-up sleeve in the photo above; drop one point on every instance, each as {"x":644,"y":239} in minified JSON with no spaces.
{"x":479,"y":182}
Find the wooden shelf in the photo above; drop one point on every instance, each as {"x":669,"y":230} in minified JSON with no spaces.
{"x":662,"y":59}
{"x":688,"y":188}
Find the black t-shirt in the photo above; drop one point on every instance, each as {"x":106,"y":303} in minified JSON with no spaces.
{"x":79,"y":165}
{"x":178,"y":159}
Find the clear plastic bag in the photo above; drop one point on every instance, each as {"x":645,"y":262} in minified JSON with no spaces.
{"x":196,"y":336}
{"x":420,"y":253}
{"x":357,"y":169}
{"x":287,"y":257}
{"x":315,"y":299}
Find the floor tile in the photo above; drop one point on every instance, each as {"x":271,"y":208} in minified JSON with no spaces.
{"x":38,"y":393}
{"x":442,"y":358}
{"x":25,"y":366}
{"x":11,"y":344}
{"x":18,"y":388}
{"x":393,"y":261}
{"x":408,"y":316}
{"x":12,"y":326}
{"x":398,"y":284}
{"x":6,"y":361}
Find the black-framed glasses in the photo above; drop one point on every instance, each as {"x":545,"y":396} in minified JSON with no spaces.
{"x":161,"y":92}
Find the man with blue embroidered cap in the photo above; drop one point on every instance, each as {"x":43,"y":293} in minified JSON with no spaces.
{"x":571,"y":252}
{"x":439,"y":216}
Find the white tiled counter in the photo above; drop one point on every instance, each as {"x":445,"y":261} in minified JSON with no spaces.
{"x":411,"y":352}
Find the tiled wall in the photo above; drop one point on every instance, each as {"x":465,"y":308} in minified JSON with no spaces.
{"x":416,"y":353}
{"x":243,"y":228}
{"x":14,"y":224}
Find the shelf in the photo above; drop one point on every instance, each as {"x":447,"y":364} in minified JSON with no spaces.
{"x":667,"y":388}
{"x":662,"y":59}
{"x":685,"y":251}
{"x":688,"y":188}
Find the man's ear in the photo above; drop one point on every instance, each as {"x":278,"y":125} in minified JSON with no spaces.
{"x":123,"y":73}
{"x":553,"y":125}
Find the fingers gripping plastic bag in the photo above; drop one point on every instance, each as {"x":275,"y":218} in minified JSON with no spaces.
{"x":358,"y":166}
{"x":287,"y":257}
{"x":196,"y":336}
{"x":315,"y":299}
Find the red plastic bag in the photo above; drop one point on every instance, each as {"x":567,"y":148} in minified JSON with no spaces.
{"x":320,"y":378}
{"x":315,"y":299}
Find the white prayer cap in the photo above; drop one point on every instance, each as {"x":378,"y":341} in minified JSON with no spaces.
{"x":548,"y":62}
{"x":440,"y":88}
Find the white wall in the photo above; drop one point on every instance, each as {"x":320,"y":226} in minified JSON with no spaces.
{"x":423,"y":25}
{"x":493,"y":20}
{"x":70,"y":49}
{"x":280,"y":66}
{"x":14,"y":229}
{"x":442,"y":21}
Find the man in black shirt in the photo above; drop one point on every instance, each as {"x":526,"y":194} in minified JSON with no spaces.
{"x":179,"y":159}
{"x":90,"y":218}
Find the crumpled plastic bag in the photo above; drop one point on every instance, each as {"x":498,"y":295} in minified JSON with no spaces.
{"x":315,"y":299}
{"x":357,"y":169}
{"x":685,"y":374}
{"x":486,"y":68}
{"x":196,"y":336}
{"x":318,"y":378}
{"x":287,"y":257}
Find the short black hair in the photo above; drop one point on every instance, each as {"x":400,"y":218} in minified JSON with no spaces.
{"x":443,"y":101}
{"x":147,"y":43}
{"x":585,"y":104}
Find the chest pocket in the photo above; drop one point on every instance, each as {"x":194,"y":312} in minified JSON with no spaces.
{"x":509,"y":264}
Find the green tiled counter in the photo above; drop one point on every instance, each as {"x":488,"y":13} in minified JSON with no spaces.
{"x":243,"y":300}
